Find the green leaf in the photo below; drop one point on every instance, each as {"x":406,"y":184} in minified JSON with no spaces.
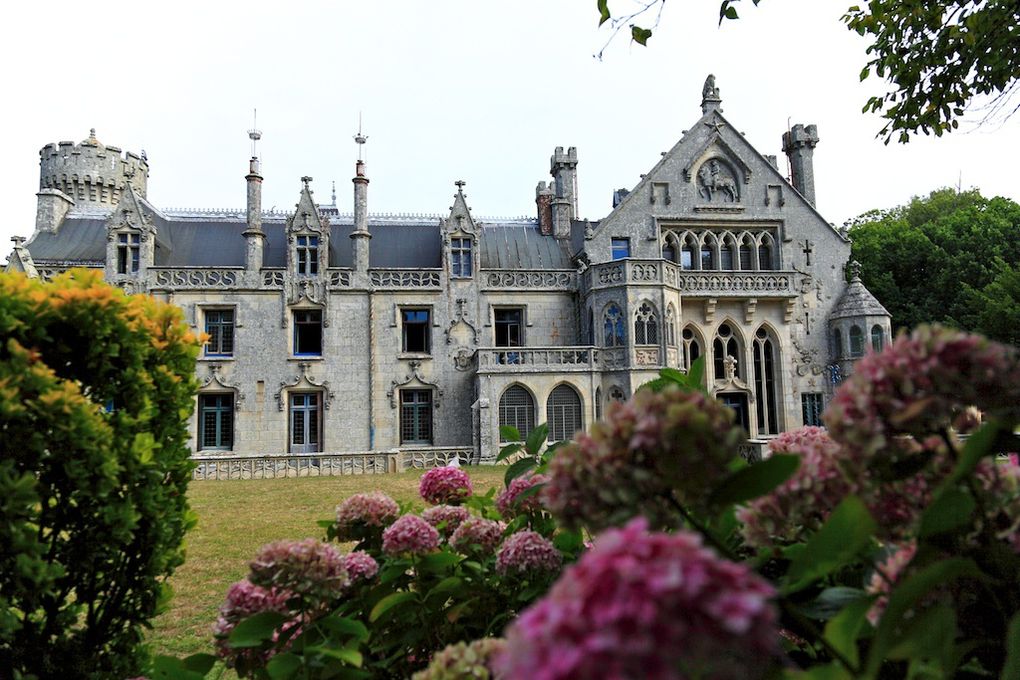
{"x":929,"y":635}
{"x":456,"y":611}
{"x":731,"y":12}
{"x":509,"y":433}
{"x":696,"y":373}
{"x":325,"y":523}
{"x":906,"y":595}
{"x":832,"y":671}
{"x":536,"y":438}
{"x":171,"y":668}
{"x":199,"y":663}
{"x":845,"y":534}
{"x":640,"y":35}
{"x":438,"y":562}
{"x":345,"y":654}
{"x":283,"y":666}
{"x":446,"y":586}
{"x":1011,"y":669}
{"x":950,"y":509}
{"x":517,"y":469}
{"x":674,"y":376}
{"x":507,"y":451}
{"x":978,"y":445}
{"x":568,"y":541}
{"x":604,"y":15}
{"x":755,"y":480}
{"x":831,"y":602}
{"x":389,"y":602}
{"x":341,"y":625}
{"x":843,"y":629}
{"x":256,"y":629}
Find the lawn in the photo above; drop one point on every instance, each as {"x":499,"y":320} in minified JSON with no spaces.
{"x":236,"y":517}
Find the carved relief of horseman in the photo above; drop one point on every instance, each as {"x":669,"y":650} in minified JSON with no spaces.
{"x":715,"y":178}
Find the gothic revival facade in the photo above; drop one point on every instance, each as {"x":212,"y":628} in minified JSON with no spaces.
{"x":332,"y":331}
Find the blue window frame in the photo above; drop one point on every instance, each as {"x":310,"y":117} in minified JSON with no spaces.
{"x":308,"y":255}
{"x":308,"y":332}
{"x":216,"y":421}
{"x":460,"y":258}
{"x":621,"y":248}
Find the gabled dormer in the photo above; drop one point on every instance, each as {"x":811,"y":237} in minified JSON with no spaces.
{"x":307,"y":238}
{"x":130,"y":242}
{"x":20,"y":260}
{"x":460,"y":238}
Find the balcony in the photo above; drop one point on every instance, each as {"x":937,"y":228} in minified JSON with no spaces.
{"x":694,"y":283}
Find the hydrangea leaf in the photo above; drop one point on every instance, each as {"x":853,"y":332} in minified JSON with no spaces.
{"x":843,"y":536}
{"x":951,"y":509}
{"x":388,"y":603}
{"x":755,"y":480}
{"x":256,"y":629}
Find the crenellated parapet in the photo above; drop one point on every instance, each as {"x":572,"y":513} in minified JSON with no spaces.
{"x":91,"y":173}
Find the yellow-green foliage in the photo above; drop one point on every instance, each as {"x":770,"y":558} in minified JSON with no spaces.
{"x":95,"y":389}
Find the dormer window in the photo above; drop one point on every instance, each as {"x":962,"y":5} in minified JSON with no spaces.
{"x":128,"y":253}
{"x":460,"y":258}
{"x":308,"y":255}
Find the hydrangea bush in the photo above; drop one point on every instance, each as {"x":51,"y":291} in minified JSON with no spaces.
{"x":885,"y":546}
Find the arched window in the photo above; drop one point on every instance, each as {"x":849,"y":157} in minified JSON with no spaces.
{"x":598,"y":403}
{"x":765,"y":382}
{"x":670,"y":326}
{"x":765,"y":261}
{"x":726,"y":260}
{"x":688,"y":253}
{"x":725,"y":345}
{"x":837,"y":344}
{"x":708,"y":259}
{"x":591,"y":326}
{"x":746,"y":249}
{"x":669,"y":247}
{"x":517,"y":409}
{"x":691,"y":348}
{"x":856,"y":342}
{"x":615,"y":335}
{"x":877,"y":338}
{"x":563,"y":413}
{"x":646,"y":326}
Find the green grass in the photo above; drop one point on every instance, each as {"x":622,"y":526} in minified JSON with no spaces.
{"x":236,"y":517}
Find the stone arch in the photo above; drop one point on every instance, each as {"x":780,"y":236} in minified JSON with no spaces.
{"x":728,"y":252}
{"x":517,"y":408}
{"x":646,"y":323}
{"x":766,"y":259}
{"x":767,"y":378}
{"x":692,"y":345}
{"x":669,"y":325}
{"x":709,"y":252}
{"x":728,"y":340}
{"x":747,"y":251}
{"x":564,"y":411}
{"x":614,"y":325}
{"x":670,"y":246}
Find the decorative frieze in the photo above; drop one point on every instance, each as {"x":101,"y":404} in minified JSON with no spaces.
{"x":530,"y":280}
{"x":204,"y":277}
{"x":405,"y":278}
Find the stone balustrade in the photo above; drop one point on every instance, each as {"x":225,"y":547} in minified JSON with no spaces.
{"x":512,"y":279}
{"x":695,"y":283}
{"x":537,"y":359}
{"x":414,"y":279}
{"x":176,"y":278}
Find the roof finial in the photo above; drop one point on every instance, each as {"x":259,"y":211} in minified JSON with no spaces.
{"x":855,"y":270}
{"x":18,"y":241}
{"x":359,"y":138}
{"x":254,"y":134}
{"x":334,"y":193}
{"x":460,"y":186}
{"x":710,"y":99}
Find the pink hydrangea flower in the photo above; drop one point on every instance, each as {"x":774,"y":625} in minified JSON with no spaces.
{"x":244,"y":599}
{"x":801,"y":504}
{"x":449,"y":516}
{"x":509,"y":502}
{"x":477,"y":535}
{"x":364,"y":515}
{"x":528,"y":551}
{"x":463,"y":660}
{"x":882,"y":583}
{"x":410,"y":534}
{"x":655,"y":444}
{"x":646,"y":605}
{"x":447,"y":485}
{"x":360,"y":566}
{"x":309,"y":568}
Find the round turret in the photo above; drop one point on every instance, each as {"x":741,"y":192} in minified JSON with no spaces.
{"x":91,"y":173}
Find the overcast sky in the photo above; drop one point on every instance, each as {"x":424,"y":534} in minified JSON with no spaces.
{"x":474,"y":90}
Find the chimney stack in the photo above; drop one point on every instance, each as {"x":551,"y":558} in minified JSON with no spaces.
{"x":799,"y":146}
{"x":543,"y":201}
{"x":360,"y":234}
{"x":253,"y":234}
{"x":563,"y":168}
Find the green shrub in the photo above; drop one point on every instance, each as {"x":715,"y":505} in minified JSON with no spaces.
{"x":95,"y":389}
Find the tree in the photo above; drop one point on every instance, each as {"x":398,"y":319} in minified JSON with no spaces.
{"x":938,"y":56}
{"x":950,"y":258}
{"x":95,"y":391}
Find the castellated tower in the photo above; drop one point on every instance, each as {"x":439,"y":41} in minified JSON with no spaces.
{"x":86,"y":176}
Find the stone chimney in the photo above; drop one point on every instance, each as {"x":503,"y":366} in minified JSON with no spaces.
{"x":254,"y":236}
{"x":51,"y":207}
{"x":563,"y":168}
{"x":543,"y":202}
{"x":799,"y":146}
{"x":360,"y":235}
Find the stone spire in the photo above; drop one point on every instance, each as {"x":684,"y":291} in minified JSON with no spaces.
{"x":253,"y":234}
{"x":710,"y":99}
{"x":360,"y":234}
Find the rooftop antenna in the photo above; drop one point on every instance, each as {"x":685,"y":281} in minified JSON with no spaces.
{"x":254,"y":134}
{"x":359,"y":138}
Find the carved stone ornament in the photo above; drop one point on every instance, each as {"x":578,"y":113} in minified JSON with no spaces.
{"x":304,"y":381}
{"x":730,"y":382}
{"x":806,"y":360}
{"x":413,"y":379}
{"x":214,"y":382}
{"x":460,"y":325}
{"x":717,"y":182}
{"x":463,"y":359}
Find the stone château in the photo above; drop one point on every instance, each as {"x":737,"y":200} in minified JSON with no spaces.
{"x":332,"y":331}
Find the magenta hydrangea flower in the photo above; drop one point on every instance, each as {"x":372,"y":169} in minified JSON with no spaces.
{"x":447,"y":485}
{"x":365,"y":515}
{"x":244,"y":599}
{"x":477,"y":535}
{"x":528,"y":552}
{"x":801,"y":504}
{"x":655,"y":444}
{"x":509,"y":502}
{"x":309,"y":568}
{"x":410,"y":534}
{"x":360,"y":566}
{"x":890,"y":569}
{"x":449,"y":516}
{"x":646,"y":605}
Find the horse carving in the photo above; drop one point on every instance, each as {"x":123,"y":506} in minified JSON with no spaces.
{"x":714,"y":178}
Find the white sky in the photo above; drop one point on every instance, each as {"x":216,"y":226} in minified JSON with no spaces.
{"x":460,"y":89}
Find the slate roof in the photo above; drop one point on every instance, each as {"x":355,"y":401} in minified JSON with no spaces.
{"x":215,"y":240}
{"x":857,"y":301}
